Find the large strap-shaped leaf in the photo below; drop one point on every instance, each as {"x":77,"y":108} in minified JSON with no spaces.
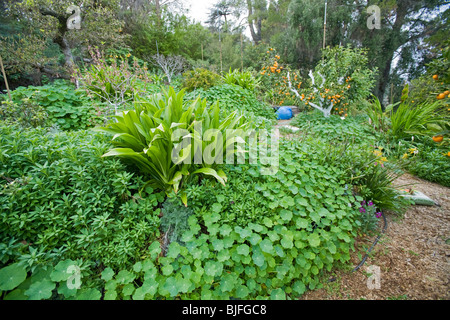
{"x":210,"y":172}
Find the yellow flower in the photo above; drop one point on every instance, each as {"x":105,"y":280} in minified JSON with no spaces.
{"x":405,"y":156}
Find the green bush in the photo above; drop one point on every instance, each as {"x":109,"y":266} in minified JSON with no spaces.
{"x":233,"y":98}
{"x":62,"y":200}
{"x":308,"y":225}
{"x":200,"y":78}
{"x":148,"y":135}
{"x":25,"y":114}
{"x":334,"y":128}
{"x":244,"y":79}
{"x":70,"y":109}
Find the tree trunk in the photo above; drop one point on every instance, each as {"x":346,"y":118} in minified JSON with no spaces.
{"x":256,"y":35}
{"x":391,"y":44}
{"x":60,"y":38}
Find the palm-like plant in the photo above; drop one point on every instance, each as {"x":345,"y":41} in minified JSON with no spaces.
{"x":148,"y":136}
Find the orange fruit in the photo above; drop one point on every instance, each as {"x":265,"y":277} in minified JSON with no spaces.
{"x":447,"y":92}
{"x":441,"y":96}
{"x":435,"y":77}
{"x":438,"y":138}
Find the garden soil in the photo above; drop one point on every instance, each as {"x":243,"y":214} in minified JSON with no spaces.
{"x":410,"y":261}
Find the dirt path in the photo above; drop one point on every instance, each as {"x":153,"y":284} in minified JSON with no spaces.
{"x":412,"y":256}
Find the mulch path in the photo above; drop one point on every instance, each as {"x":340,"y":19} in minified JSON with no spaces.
{"x":412,"y":255}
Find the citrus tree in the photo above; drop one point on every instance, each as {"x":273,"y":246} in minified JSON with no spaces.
{"x":340,"y":79}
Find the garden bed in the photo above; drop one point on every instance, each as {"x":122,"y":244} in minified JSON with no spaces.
{"x":412,"y":255}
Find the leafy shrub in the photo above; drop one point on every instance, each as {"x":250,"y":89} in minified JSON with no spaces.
{"x":369,"y":217}
{"x":27,"y":113}
{"x":420,"y":119}
{"x":424,"y":158}
{"x":70,"y":109}
{"x":244,"y":79}
{"x":233,"y":98}
{"x":334,"y":128}
{"x":174,"y":221}
{"x":113,"y":80}
{"x":62,"y":200}
{"x":200,"y":78}
{"x":350,"y":145}
{"x":147,"y":135}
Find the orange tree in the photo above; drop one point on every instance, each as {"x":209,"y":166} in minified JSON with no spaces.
{"x":440,"y":68}
{"x":340,"y":79}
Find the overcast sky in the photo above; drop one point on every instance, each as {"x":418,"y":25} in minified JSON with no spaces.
{"x":199,"y":9}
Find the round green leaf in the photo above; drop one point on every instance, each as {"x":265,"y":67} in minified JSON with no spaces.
{"x":11,"y":276}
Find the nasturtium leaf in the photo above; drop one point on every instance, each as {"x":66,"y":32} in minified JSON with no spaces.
{"x":213,"y":229}
{"x":17,"y":294}
{"x":293,"y":189}
{"x":174,"y":250}
{"x":314,"y":270}
{"x":154,"y":249}
{"x":213,"y":268}
{"x":107,"y":274}
{"x":309,"y":255}
{"x":242,"y":291}
{"x":137,"y":267}
{"x":299,"y":287}
{"x":110,"y":295}
{"x":332,"y":247}
{"x":60,"y":272}
{"x":227,"y":282}
{"x":139,"y":294}
{"x":287,"y":202}
{"x":301,"y":261}
{"x":12,"y":276}
{"x":314,"y":240}
{"x":250,"y":271}
{"x":187,"y":236}
{"x":125,"y":277}
{"x":244,"y":233}
{"x":258,"y":258}
{"x":301,"y":223}
{"x":286,"y":215}
{"x":323,"y":212}
{"x":277,"y":294}
{"x":254,"y":239}
{"x":216,"y":208}
{"x":286,"y":243}
{"x":243,"y":249}
{"x":167,"y":270}
{"x":267,"y":222}
{"x":266,"y":246}
{"x":150,"y":286}
{"x":273,"y":235}
{"x":302,"y":201}
{"x":225,"y":230}
{"x":41,"y":290}
{"x":256,"y":227}
{"x":170,"y":285}
{"x":67,"y":292}
{"x":128,"y":289}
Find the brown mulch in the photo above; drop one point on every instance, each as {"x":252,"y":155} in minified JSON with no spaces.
{"x":413,"y":255}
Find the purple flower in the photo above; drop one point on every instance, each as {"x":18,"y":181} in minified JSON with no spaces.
{"x":370,"y":203}
{"x":362,"y":210}
{"x":363,"y":203}
{"x":378,"y":214}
